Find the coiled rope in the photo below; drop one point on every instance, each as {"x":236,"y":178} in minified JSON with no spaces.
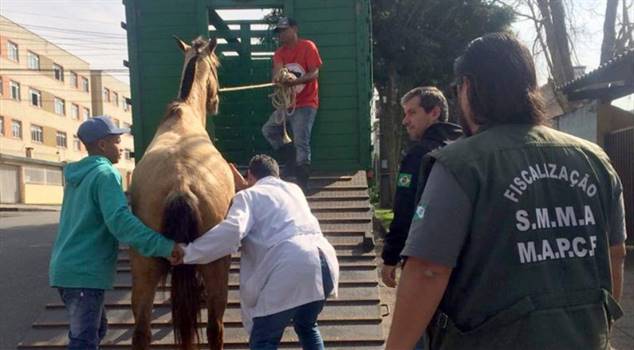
{"x":283,"y":97}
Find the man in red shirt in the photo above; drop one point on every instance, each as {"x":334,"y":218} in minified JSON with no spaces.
{"x":300,"y":57}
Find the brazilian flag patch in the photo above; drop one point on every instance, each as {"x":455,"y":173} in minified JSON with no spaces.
{"x":420,"y":212}
{"x":404,"y":180}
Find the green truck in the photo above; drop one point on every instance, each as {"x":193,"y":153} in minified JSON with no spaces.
{"x":340,"y":28}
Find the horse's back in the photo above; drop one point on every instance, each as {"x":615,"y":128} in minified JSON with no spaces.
{"x":182,"y":163}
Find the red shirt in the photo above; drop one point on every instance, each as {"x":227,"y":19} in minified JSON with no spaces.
{"x":299,"y":59}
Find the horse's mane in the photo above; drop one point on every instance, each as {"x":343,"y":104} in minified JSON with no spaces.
{"x":197,"y":44}
{"x":174,"y":108}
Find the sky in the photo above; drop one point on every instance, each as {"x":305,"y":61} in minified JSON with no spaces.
{"x":91,"y":29}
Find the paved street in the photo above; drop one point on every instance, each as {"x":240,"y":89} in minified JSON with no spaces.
{"x":25,"y":246}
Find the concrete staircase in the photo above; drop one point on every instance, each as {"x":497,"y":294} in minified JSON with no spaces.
{"x":352,"y":321}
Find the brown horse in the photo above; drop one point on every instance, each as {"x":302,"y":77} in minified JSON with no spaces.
{"x":182,"y":187}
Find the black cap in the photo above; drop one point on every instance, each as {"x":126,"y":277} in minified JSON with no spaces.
{"x":283,"y":23}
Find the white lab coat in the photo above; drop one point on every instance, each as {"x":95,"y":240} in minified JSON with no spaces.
{"x":280,"y":240}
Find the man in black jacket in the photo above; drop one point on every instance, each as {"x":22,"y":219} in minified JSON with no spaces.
{"x":425,"y":119}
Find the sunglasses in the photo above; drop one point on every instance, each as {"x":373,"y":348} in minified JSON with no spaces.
{"x":455,"y":86}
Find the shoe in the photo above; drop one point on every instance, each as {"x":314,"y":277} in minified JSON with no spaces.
{"x":287,"y":159}
{"x":302,"y":175}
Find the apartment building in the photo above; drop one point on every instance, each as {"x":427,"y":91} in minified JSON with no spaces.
{"x":111,"y":97}
{"x":45,"y":94}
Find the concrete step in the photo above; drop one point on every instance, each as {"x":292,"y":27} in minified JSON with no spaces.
{"x":161,"y":315}
{"x":235,"y":266}
{"x":334,"y":335}
{"x":347,"y":204}
{"x":329,"y":195}
{"x":348,"y":294}
{"x":357,"y":275}
{"x":344,"y":252}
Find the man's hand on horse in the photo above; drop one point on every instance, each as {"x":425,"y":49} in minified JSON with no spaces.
{"x":238,"y":179}
{"x":177,"y":255}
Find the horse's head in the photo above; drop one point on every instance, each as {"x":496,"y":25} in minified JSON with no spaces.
{"x":200,"y":71}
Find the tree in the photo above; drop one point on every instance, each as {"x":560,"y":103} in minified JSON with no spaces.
{"x":555,"y":31}
{"x":612,"y":43}
{"x":415,"y":43}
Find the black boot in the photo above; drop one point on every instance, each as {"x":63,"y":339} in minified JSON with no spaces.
{"x":287,"y":158}
{"x":302,"y":174}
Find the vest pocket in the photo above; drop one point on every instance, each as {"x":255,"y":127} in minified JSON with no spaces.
{"x":576,"y":321}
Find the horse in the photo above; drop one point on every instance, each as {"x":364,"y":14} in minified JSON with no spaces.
{"x":182,"y":187}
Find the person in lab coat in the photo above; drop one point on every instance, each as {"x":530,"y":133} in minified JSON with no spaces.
{"x":287,"y":267}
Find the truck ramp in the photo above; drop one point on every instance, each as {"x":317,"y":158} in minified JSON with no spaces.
{"x":351,"y":321}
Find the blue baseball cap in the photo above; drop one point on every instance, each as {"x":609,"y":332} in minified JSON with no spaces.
{"x":98,"y":127}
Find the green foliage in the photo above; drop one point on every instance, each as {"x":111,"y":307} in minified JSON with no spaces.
{"x":373,"y":192}
{"x":421,"y":39}
{"x":385,"y":216}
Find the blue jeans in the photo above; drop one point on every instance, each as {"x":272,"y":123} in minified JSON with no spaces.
{"x":88,"y":323}
{"x":268,"y":330}
{"x":301,"y":124}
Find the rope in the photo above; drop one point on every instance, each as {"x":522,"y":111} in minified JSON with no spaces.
{"x":282,"y":98}
{"x":246,"y":87}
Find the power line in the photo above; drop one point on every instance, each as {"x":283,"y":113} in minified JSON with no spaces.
{"x":74,"y":36}
{"x":62,"y":17}
{"x":65,"y":68}
{"x":64,"y":30}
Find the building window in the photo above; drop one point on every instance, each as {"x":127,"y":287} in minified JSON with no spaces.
{"x":16,"y":128}
{"x":1,"y":125}
{"x":115,"y":98}
{"x":43,"y":176}
{"x":127,"y":153}
{"x":36,"y":98}
{"x":86,"y":114}
{"x":74,"y":111}
{"x":85,"y":85}
{"x":1,"y":87}
{"x":74,"y":80}
{"x":15,"y":90}
{"x":58,"y":72}
{"x":32,"y":60}
{"x":61,"y":139}
{"x":12,"y":51}
{"x":127,"y":125}
{"x":106,"y":94}
{"x":60,"y":107}
{"x":37,"y":134}
{"x":76,"y":143}
{"x":116,"y":122}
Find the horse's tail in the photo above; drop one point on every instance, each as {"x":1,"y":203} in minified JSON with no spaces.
{"x":180,"y":223}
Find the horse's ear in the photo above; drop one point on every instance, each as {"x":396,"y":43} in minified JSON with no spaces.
{"x":211,"y":45}
{"x":181,"y":44}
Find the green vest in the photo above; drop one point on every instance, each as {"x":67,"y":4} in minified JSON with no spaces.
{"x":534,"y":272}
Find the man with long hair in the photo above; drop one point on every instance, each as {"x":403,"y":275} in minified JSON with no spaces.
{"x":518,"y":239}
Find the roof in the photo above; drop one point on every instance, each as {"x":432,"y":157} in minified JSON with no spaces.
{"x":611,"y":80}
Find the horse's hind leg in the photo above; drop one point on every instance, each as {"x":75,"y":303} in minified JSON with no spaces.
{"x":216,"y":279}
{"x":146,"y":275}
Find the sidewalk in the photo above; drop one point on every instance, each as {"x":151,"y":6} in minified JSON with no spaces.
{"x":28,"y":207}
{"x":623,"y":332}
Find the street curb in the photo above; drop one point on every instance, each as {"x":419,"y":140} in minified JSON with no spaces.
{"x":19,"y":209}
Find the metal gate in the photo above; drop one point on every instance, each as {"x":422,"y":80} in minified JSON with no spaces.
{"x":246,"y":50}
{"x":620,"y":147}
{"x":9,"y":186}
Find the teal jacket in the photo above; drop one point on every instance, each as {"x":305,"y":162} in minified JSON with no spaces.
{"x":94,"y":218}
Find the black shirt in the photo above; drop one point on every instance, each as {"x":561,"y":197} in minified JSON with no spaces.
{"x":436,"y":136}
